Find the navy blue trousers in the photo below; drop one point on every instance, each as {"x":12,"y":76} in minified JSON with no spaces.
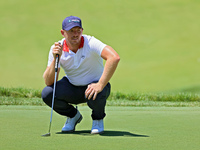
{"x":67,"y":94}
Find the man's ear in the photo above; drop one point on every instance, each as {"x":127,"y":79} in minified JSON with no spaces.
{"x":62,"y":32}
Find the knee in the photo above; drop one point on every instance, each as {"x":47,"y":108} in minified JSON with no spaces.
{"x":101,"y":98}
{"x":98,"y":103}
{"x":47,"y":94}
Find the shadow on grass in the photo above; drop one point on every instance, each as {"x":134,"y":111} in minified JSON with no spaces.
{"x":106,"y":133}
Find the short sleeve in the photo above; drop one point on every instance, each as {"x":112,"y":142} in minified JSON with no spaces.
{"x":96,"y":45}
{"x":50,"y":58}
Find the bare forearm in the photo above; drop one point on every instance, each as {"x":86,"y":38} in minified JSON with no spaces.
{"x":112,"y":60}
{"x":49,"y":74}
{"x":109,"y":69}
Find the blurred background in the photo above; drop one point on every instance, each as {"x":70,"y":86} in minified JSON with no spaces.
{"x":158,"y":41}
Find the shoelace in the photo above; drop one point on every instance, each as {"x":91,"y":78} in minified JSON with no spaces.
{"x":68,"y":120}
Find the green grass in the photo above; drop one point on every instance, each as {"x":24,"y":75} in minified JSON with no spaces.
{"x":125,"y":128}
{"x":23,"y":96}
{"x":157,"y":40}
{"x":20,"y":92}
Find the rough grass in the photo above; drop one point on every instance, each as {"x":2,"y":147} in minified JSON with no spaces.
{"x":19,"y":92}
{"x":23,"y":96}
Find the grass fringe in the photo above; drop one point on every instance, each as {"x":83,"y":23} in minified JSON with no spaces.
{"x":178,"y":97}
{"x":23,"y":96}
{"x":20,"y":92}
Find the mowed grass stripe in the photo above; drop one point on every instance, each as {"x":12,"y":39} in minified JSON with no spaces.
{"x":125,"y":128}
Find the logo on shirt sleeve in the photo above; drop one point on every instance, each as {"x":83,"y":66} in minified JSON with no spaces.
{"x":82,"y":57}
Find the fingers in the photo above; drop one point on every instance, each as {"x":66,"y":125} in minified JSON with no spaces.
{"x":57,"y":49}
{"x":91,"y":94}
{"x":95,"y":95}
{"x":58,"y":45}
{"x":91,"y":91}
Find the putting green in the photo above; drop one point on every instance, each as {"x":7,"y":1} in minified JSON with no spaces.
{"x":127,"y":128}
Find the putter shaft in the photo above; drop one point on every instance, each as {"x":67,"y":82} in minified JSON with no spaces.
{"x":54,"y":88}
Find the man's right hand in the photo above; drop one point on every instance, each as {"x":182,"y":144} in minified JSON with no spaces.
{"x":57,"y":49}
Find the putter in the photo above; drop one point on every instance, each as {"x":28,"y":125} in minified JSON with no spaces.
{"x":54,"y":87}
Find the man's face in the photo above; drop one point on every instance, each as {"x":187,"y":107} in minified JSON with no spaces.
{"x":73,"y":36}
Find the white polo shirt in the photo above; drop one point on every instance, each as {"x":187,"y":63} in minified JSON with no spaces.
{"x":84,"y":66}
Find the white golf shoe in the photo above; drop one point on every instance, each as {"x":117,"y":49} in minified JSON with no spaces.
{"x":70,"y":124}
{"x":97,"y":127}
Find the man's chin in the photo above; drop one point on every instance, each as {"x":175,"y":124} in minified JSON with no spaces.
{"x":74,"y":42}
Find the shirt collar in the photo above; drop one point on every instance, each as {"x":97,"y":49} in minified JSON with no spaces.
{"x":66,"y":48}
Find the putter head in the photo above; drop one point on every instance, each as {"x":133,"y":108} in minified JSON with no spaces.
{"x":48,"y":134}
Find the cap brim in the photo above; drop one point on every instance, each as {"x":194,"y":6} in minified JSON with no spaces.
{"x":69,"y":28}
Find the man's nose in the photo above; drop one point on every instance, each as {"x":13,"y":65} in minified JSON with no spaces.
{"x":75,"y":33}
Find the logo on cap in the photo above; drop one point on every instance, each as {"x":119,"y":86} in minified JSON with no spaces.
{"x":70,"y":22}
{"x":74,"y":20}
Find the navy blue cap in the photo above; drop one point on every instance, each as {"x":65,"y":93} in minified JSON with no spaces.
{"x":70,"y":22}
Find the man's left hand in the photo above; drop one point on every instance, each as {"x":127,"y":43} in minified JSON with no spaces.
{"x":92,"y":90}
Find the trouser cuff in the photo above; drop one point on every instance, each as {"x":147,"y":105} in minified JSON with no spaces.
{"x":98,"y":116}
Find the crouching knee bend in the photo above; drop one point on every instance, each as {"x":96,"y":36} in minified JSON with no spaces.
{"x":47,"y":93}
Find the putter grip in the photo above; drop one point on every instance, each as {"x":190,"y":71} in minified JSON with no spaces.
{"x":56,"y":65}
